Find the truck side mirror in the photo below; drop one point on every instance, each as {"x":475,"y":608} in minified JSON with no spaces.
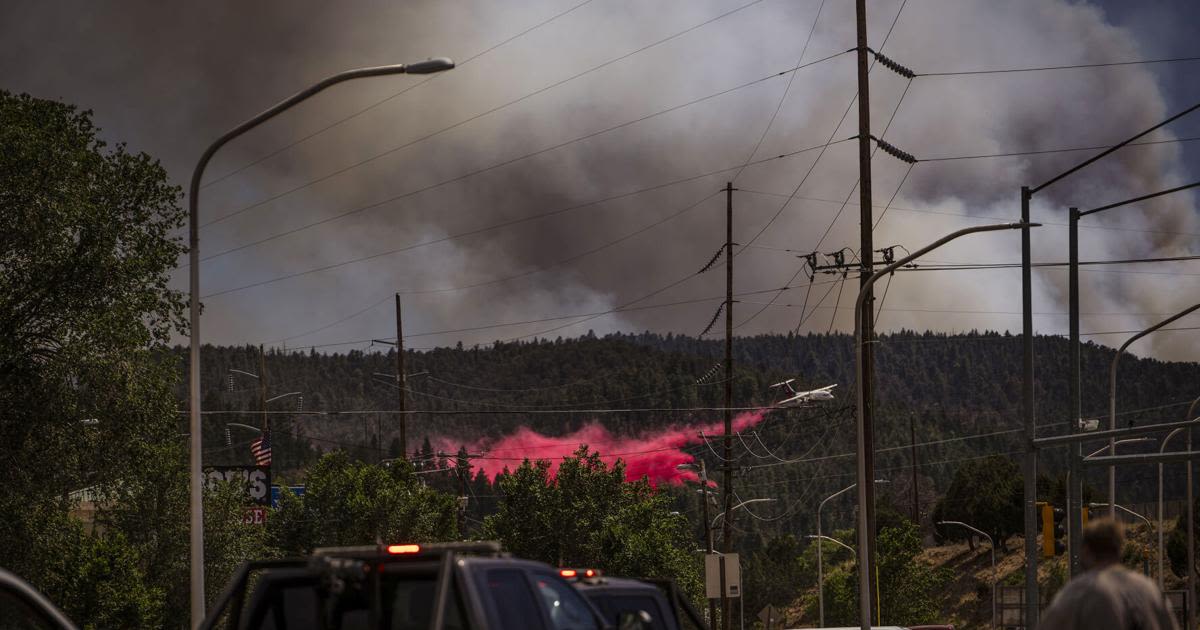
{"x":639,"y":620}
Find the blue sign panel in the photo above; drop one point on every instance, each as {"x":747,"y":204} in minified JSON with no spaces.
{"x":275,"y":490}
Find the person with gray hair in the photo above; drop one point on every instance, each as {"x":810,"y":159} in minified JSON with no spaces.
{"x":1106,"y":594}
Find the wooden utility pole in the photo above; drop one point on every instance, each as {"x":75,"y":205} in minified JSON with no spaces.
{"x":727,"y":533}
{"x":866,"y":373}
{"x":401,"y":384}
{"x":262,"y":387}
{"x":912,"y":436}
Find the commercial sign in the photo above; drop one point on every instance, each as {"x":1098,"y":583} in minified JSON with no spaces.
{"x":276,"y":491}
{"x":256,"y":478}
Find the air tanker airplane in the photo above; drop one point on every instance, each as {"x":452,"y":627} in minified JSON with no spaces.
{"x":798,"y":398}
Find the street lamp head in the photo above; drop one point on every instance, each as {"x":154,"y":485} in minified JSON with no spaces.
{"x":685,"y":467}
{"x":429,"y":66}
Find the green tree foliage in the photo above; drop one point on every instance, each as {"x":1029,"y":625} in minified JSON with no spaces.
{"x":87,"y":383}
{"x":354,"y":503}
{"x":777,"y":573}
{"x":589,"y":516}
{"x":985,"y":493}
{"x":910,"y":591}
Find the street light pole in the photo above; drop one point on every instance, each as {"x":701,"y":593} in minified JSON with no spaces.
{"x":866,"y":510}
{"x":708,"y":532}
{"x":820,"y":563}
{"x":1162,"y":449}
{"x":992,"y":543}
{"x":195,"y":463}
{"x":1112,"y":397}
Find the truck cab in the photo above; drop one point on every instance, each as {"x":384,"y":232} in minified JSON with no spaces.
{"x":448,"y":586}
{"x":635,"y":604}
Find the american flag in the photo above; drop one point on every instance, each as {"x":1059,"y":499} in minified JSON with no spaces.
{"x":261,"y":449}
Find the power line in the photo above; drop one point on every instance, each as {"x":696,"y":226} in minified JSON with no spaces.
{"x":501,"y":163}
{"x":372,"y":106}
{"x":510,"y":223}
{"x":1063,"y":67}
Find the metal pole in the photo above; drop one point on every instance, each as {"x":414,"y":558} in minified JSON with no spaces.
{"x":727,"y":533}
{"x":865,"y":319}
{"x":1075,"y":486}
{"x":1029,"y":463}
{"x":196,"y":533}
{"x":866,"y":563}
{"x":1191,"y":530}
{"x":912,"y":436}
{"x":401,"y":382}
{"x":992,"y":544}
{"x":708,"y":538}
{"x":1112,"y":397}
{"x":1162,"y":449}
{"x":820,"y":574}
{"x":262,"y":387}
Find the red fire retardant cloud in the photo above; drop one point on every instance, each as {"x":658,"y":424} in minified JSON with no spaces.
{"x":654,"y":455}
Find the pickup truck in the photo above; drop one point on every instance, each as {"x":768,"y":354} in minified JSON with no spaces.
{"x":446,"y":586}
{"x":646,"y":603}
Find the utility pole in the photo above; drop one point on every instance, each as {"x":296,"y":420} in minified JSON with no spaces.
{"x":1074,"y":473}
{"x":400,"y":382}
{"x":1029,"y":462}
{"x":727,"y":533}
{"x":912,"y":436}
{"x":866,"y":487}
{"x":262,"y":387}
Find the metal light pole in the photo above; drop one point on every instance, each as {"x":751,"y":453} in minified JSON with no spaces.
{"x":1191,"y":529}
{"x":1162,"y":449}
{"x":992,"y":543}
{"x":197,"y":481}
{"x":1112,"y":396}
{"x":820,"y":560}
{"x":866,"y":562}
{"x":702,"y":470}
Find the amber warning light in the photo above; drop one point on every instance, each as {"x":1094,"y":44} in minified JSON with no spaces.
{"x":397,"y":549}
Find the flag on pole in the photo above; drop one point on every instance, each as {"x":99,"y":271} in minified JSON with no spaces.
{"x":261,"y":449}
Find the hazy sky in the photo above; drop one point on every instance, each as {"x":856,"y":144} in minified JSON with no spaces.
{"x":619,"y":120}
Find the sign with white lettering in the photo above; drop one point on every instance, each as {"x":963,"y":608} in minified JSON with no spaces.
{"x":256,"y":478}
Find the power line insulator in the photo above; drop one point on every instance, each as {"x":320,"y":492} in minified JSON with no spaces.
{"x":891,"y":150}
{"x":890,"y":64}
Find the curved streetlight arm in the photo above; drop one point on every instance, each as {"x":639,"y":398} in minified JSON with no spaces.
{"x":244,"y":426}
{"x":284,"y":396}
{"x":1112,"y":370}
{"x":747,"y":502}
{"x":865,"y":510}
{"x":832,"y":540}
{"x":243,"y":372}
{"x":1123,"y":509}
{"x":1120,"y":442}
{"x":962,"y":524}
{"x":196,"y":524}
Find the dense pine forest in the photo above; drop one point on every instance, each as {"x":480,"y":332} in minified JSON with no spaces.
{"x":959,"y":395}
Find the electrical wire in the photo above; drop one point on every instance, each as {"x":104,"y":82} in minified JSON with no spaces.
{"x":1063,"y":67}
{"x":338,"y":122}
{"x":493,"y":166}
{"x":524,"y":97}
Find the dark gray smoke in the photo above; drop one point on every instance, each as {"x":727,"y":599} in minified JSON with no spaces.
{"x":168,"y":79}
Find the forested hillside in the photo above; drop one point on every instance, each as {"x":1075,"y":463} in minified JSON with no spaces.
{"x":958,"y":394}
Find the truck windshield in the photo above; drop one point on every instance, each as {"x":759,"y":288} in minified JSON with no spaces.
{"x":295,"y":602}
{"x":613,"y":604}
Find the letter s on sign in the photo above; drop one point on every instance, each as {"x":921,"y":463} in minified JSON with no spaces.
{"x":258,"y":485}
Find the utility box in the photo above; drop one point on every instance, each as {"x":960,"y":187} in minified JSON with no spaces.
{"x":713,"y":564}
